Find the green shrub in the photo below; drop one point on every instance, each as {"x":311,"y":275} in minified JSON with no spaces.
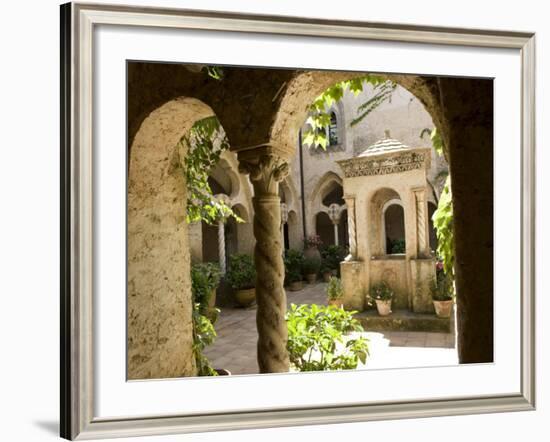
{"x":317,"y":338}
{"x":242,"y":272}
{"x":332,"y":256}
{"x":294,"y":261}
{"x":442,"y":287}
{"x":205,"y":277}
{"x":381,"y":292}
{"x":397,"y":246}
{"x":334,"y":288}
{"x":311,"y":265}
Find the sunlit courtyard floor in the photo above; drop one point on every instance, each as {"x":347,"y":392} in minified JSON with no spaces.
{"x":235,"y":346}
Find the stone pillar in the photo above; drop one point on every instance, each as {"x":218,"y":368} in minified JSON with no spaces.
{"x":335,"y":234}
{"x":284,"y":220}
{"x":422,"y":245}
{"x":222,"y":199}
{"x":266,"y":170}
{"x":350,"y":203}
{"x":221,"y":245}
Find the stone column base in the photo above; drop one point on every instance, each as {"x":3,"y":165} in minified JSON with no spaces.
{"x":422,"y":274}
{"x":353,"y":282}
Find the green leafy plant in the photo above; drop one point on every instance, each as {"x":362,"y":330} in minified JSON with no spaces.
{"x":204,"y":144}
{"x":319,"y":338}
{"x":311,"y":265}
{"x":443,"y":224}
{"x":319,"y":119}
{"x":294,"y":261}
{"x":397,"y":246}
{"x":442,"y":288}
{"x":335,"y":290}
{"x":381,"y":292}
{"x":204,"y":334}
{"x":332,"y":256}
{"x":205,"y":277}
{"x":242,"y":272}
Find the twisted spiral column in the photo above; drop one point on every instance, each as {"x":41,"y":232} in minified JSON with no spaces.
{"x":221,"y":245}
{"x":265,"y":175}
{"x":421,"y":229}
{"x":352,"y":233}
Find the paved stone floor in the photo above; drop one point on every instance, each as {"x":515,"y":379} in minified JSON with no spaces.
{"x":235,"y":346}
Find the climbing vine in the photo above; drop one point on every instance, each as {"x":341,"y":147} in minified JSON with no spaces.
{"x":319,"y":119}
{"x":443,"y":216}
{"x":205,"y":142}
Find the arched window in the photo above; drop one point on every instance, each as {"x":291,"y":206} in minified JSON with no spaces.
{"x":394,"y":229}
{"x":333,"y":130}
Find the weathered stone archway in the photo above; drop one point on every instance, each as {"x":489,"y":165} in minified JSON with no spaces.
{"x":262,"y":110}
{"x":160,"y":333}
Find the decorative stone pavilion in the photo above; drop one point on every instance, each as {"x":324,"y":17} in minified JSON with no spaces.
{"x":385,"y":189}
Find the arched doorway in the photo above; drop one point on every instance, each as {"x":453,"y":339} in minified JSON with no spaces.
{"x":324,"y":228}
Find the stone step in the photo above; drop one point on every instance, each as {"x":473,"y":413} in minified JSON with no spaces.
{"x":403,"y":320}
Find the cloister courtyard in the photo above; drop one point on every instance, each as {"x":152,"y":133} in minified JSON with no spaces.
{"x":284,"y":220}
{"x":235,"y":346}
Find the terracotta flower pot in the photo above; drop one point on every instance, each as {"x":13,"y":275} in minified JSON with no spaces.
{"x":383,"y":307}
{"x":338,"y":302}
{"x":294,"y":286}
{"x":326,"y":276}
{"x":245,"y":297}
{"x":443,"y":308}
{"x":311,"y":278}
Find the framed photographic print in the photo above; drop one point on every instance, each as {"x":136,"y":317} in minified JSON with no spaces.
{"x":272,"y":221}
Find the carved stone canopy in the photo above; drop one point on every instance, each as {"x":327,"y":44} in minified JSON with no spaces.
{"x":384,"y":157}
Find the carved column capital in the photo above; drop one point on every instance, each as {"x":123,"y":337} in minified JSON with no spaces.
{"x":266,"y":171}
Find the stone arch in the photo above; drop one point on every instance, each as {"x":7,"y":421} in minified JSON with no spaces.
{"x":323,"y":186}
{"x":380,"y":201}
{"x":393,"y":226}
{"x":159,"y":320}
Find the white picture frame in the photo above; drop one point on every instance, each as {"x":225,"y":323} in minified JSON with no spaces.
{"x":80,"y":22}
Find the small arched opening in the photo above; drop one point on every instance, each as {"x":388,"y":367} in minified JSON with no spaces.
{"x":394,"y":228}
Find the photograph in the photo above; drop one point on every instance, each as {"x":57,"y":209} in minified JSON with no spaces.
{"x":290,"y":220}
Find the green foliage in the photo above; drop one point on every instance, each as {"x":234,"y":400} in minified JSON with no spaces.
{"x":294,"y":261}
{"x":435,"y":137}
{"x":205,"y":277}
{"x":397,"y":246}
{"x":442,"y":287}
{"x":242,"y":272}
{"x":318,"y":340}
{"x":215,"y":72}
{"x":319,"y":119}
{"x":204,"y":334}
{"x":311,"y":265}
{"x":335,"y":290}
{"x":204,"y":144}
{"x":381,"y":292}
{"x":332,"y":256}
{"x":443,"y":224}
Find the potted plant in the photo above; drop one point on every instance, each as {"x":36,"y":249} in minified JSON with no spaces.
{"x":241,"y":276}
{"x":311,"y":246}
{"x":442,"y":293}
{"x":335,"y":292}
{"x":332,"y":257}
{"x":310,"y":268}
{"x":205,"y":278}
{"x":294,"y":260}
{"x":326,"y":271}
{"x":382,"y":294}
